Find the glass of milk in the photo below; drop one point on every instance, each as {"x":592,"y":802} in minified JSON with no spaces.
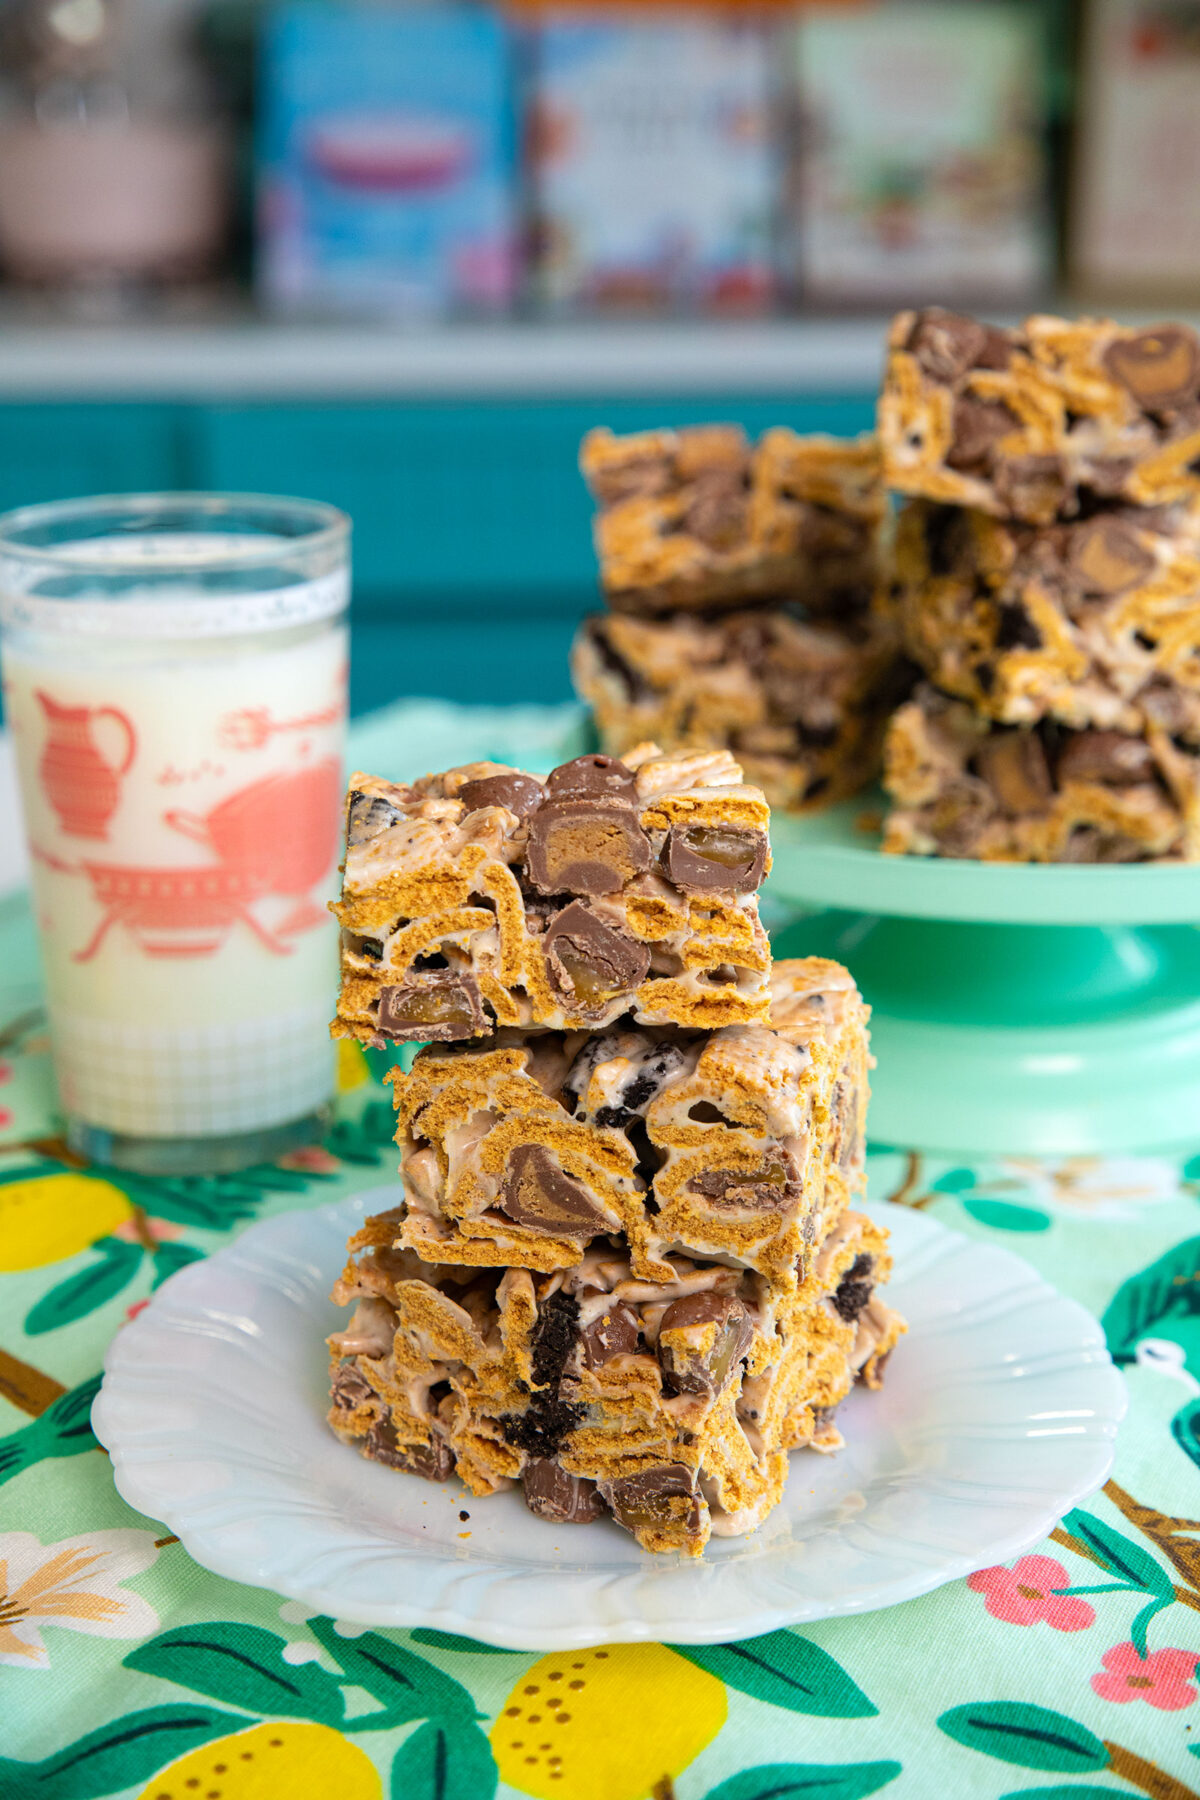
{"x":175,"y":682}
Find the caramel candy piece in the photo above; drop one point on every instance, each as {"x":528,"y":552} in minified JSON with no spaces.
{"x":368,"y":815}
{"x":1106,"y":756}
{"x":1160,"y":367}
{"x":1031,"y":487}
{"x":641,"y":1502}
{"x":701,"y":1340}
{"x":348,"y":1388}
{"x":538,"y":1194}
{"x":615,"y":1333}
{"x":946,"y":344}
{"x":553,"y":1494}
{"x":977,"y":425}
{"x":521,"y":794}
{"x":586,"y":846}
{"x":442,"y":1006}
{"x":715,"y":859}
{"x":773,"y":1184}
{"x":591,"y":776}
{"x":588,"y":960}
{"x":435,"y":1461}
{"x":1106,"y":556}
{"x":1015,"y":768}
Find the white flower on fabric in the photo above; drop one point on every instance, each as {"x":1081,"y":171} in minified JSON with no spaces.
{"x":75,"y":1584}
{"x":1099,"y":1187}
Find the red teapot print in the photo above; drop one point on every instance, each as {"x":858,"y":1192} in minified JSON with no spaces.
{"x":78,"y":779}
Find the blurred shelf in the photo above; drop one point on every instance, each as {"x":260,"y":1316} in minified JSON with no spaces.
{"x":252,"y":360}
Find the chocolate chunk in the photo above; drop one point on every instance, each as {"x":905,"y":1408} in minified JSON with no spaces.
{"x":719,"y":1333}
{"x":715,"y":858}
{"x":1015,"y":768}
{"x":591,"y":776}
{"x":1106,"y":756}
{"x":435,"y":1460}
{"x":1160,"y":367}
{"x":588,"y":960}
{"x":946,"y":344}
{"x":717,"y":512}
{"x":773,"y":1184}
{"x":651,"y":1498}
{"x":368,"y":815}
{"x":584,"y":846}
{"x":854,"y":1289}
{"x":553,"y":1494}
{"x":349,"y":1388}
{"x":1015,"y":629}
{"x":977,"y":426}
{"x":1088,"y":844}
{"x":443,"y":1006}
{"x":615,"y":1332}
{"x":641,"y":476}
{"x":1107,"y":475}
{"x":1031,"y":487}
{"x":521,"y":794}
{"x":539,"y":1195}
{"x":997,"y":351}
{"x":1106,"y":556}
{"x":635,"y":685}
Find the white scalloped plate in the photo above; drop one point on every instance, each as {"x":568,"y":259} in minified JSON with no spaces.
{"x":998,"y":1415}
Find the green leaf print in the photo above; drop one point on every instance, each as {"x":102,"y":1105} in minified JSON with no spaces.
{"x":364,"y":1140}
{"x":954,"y":1181}
{"x":242,"y":1665}
{"x":1185,"y":1429}
{"x":1169,"y":1287}
{"x":1120,"y":1555}
{"x":64,"y":1429}
{"x":813,"y":1781}
{"x":406,"y":1686}
{"x":118,"y":1755}
{"x":1064,"y":1791}
{"x":784,"y":1670}
{"x":1015,"y":1731}
{"x":1002,"y":1215}
{"x":440,"y":1762}
{"x":88,"y":1289}
{"x":170,"y":1258}
{"x":209,"y":1202}
{"x":446,"y":1640}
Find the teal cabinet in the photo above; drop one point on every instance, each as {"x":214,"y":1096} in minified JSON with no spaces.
{"x":58,"y":449}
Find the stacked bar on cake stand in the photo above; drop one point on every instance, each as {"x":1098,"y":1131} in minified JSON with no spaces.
{"x":627,"y":1274}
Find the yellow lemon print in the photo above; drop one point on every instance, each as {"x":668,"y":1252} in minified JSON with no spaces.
{"x":50,"y":1217}
{"x":352,"y":1068}
{"x":282,"y":1760}
{"x":563,"y":1733}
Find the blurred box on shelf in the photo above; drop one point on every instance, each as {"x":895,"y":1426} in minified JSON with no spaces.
{"x":919,"y":164}
{"x":1135,"y":225}
{"x":652,"y":166}
{"x":387,"y":149}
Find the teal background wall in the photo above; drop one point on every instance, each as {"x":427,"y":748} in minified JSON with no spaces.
{"x":472,"y":558}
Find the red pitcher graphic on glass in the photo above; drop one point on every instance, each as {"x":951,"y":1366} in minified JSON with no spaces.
{"x":278,"y":837}
{"x":80,"y":781}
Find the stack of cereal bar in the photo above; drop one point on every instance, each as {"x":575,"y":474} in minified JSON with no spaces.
{"x":743,"y":586}
{"x":627,"y":1275}
{"x":1047,"y":581}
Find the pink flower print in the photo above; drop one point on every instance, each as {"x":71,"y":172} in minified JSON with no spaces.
{"x":1023,"y":1595}
{"x":1165,"y":1678}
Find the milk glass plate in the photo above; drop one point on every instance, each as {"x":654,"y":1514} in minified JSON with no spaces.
{"x":998,"y":1414}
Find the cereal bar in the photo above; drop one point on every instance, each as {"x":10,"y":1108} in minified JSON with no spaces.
{"x":801,"y":703}
{"x":668,"y":1403}
{"x":963,"y":785}
{"x":744,"y":1144}
{"x":698,"y":519}
{"x":485,"y":898}
{"x":1041,"y":422}
{"x":1095,"y":622}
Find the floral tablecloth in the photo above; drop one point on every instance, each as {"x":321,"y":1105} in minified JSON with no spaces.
{"x":127,"y":1669}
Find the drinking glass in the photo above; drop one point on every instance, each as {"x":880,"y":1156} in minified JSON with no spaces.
{"x":175,"y":682}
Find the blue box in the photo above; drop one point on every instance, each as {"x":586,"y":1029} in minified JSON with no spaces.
{"x":387,"y":161}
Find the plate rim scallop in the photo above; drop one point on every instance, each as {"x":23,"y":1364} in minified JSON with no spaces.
{"x":468,"y":1600}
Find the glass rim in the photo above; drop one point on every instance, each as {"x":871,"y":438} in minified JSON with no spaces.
{"x":331,"y":527}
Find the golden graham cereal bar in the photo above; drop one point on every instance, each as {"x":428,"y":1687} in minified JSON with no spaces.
{"x":484,"y":898}
{"x":802,"y":704}
{"x":963,"y":785}
{"x":698,"y":519}
{"x":1042,"y":422}
{"x":669,"y":1403}
{"x":1095,"y":622}
{"x":744,"y":1143}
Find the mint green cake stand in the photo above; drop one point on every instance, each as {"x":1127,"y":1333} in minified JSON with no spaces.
{"x":1040,"y":1009}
